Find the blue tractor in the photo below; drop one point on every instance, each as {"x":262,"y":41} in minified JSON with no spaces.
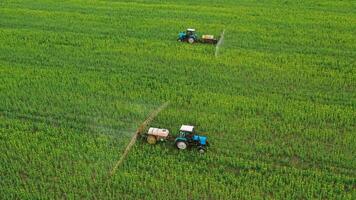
{"x":188,"y":36}
{"x":188,"y":137}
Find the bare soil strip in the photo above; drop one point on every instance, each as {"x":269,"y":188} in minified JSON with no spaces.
{"x":140,"y":130}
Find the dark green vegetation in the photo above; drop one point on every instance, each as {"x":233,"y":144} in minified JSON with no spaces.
{"x":278,"y":104}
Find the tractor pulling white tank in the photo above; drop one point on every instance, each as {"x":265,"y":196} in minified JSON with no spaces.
{"x":191,"y":37}
{"x":187,"y":138}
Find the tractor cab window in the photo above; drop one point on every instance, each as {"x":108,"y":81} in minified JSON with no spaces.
{"x":189,"y":135}
{"x":182,"y":133}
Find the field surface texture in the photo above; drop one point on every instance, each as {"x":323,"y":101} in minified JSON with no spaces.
{"x":278,"y":104}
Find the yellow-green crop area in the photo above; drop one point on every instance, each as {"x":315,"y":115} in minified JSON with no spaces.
{"x":278,"y":104}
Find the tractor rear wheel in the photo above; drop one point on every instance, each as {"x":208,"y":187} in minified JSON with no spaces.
{"x":181,"y":145}
{"x":151,"y":139}
{"x":191,"y":40}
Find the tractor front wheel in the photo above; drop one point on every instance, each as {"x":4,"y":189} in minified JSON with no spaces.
{"x":151,"y":139}
{"x":201,"y":149}
{"x":181,"y":145}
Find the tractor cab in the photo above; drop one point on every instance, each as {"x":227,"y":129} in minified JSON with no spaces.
{"x":190,"y":32}
{"x":188,"y":137}
{"x":186,"y":131}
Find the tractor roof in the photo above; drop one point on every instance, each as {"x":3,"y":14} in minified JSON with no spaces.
{"x":191,"y":29}
{"x":187,"y":128}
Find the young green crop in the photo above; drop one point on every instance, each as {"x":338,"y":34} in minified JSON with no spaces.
{"x":278,"y":103}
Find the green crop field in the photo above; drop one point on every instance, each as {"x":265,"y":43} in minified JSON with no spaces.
{"x":278,"y":104}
